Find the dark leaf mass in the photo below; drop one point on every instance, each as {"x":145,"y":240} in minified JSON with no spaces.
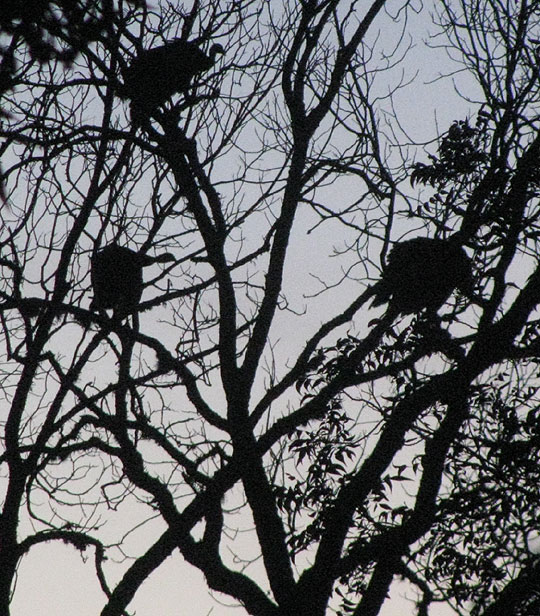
{"x":423,"y":273}
{"x":460,"y":153}
{"x":58,"y":29}
{"x":117,"y":277}
{"x":158,"y":73}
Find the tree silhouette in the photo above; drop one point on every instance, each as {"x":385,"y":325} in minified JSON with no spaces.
{"x":262,"y":396}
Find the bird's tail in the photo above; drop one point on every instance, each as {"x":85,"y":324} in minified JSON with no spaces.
{"x":381,"y":294}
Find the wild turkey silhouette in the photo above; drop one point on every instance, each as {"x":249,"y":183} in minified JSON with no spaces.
{"x":117,"y":278}
{"x":157,"y":73}
{"x":422,"y":273}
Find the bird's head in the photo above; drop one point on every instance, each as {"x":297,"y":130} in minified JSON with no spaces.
{"x":164,"y":258}
{"x":216,"y":49}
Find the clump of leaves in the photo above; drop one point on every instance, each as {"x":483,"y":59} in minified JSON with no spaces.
{"x":56,"y":28}
{"x":479,"y":541}
{"x":325,"y":453}
{"x":461,"y":152}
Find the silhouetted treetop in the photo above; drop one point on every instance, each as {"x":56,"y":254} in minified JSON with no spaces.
{"x":259,"y":425}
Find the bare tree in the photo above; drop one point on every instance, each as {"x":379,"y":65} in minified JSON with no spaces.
{"x":252,"y":379}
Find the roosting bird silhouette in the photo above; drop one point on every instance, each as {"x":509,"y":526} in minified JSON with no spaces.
{"x":422,"y":273}
{"x":156,"y":74}
{"x":117,"y":278}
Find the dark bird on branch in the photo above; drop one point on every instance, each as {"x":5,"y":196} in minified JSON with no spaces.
{"x":117,"y":278}
{"x":421,"y":274}
{"x":156,"y":74}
